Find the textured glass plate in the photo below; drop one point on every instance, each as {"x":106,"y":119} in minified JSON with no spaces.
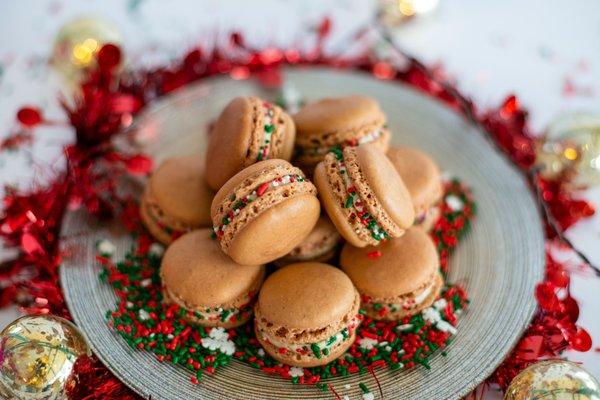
{"x":499,"y":261}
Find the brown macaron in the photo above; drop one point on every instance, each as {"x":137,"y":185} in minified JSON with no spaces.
{"x":306,"y":314}
{"x":176,"y":199}
{"x":264,"y":211}
{"x":248,"y":130}
{"x":198,"y":277}
{"x":350,"y":120}
{"x":402,"y":281}
{"x":423,"y":180}
{"x":363,"y":195}
{"x":320,"y":244}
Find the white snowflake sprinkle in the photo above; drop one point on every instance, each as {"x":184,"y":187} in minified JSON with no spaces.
{"x":454,"y":203}
{"x":440,"y":304}
{"x":143,"y":314}
{"x":432,"y":315}
{"x":218,"y":339}
{"x":367,"y":343}
{"x":296,"y":372}
{"x":368,"y":396}
{"x":146,"y":282}
{"x":261,"y":352}
{"x":156,"y":249}
{"x":106,"y":248}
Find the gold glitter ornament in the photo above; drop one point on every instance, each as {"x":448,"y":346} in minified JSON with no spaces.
{"x":572,"y":146}
{"x":77,"y":44}
{"x":37,"y":354}
{"x":553,"y":379}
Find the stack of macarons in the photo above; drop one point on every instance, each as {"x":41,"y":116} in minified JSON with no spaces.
{"x":249,"y":203}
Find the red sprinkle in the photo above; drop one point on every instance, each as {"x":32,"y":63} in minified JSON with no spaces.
{"x":262,"y":189}
{"x":374,"y":254}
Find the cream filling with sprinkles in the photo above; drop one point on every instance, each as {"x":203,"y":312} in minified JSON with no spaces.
{"x":368,"y":138}
{"x":171,"y":226}
{"x":269,"y":128}
{"x":255,"y":194}
{"x":408,"y":304}
{"x":354,"y":201}
{"x":318,"y":349}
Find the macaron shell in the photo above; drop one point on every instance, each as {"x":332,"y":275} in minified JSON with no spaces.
{"x":197,"y":272}
{"x":386,"y":184}
{"x":334,"y":211}
{"x":420,"y":174}
{"x":229,"y":142}
{"x":308,"y":360}
{"x":305,"y":298}
{"x":333,"y":120}
{"x":275,"y":231}
{"x":433,"y":214}
{"x":180,"y":190}
{"x":406,"y":264}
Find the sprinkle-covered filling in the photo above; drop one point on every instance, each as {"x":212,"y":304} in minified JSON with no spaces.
{"x":255,"y":194}
{"x":370,"y":137}
{"x":269,"y":128}
{"x":353,"y":200}
{"x":155,"y":213}
{"x":214,"y":314}
{"x":318,"y":349}
{"x":384,"y":308}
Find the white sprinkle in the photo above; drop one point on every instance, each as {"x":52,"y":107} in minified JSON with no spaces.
{"x":170,"y":336}
{"x":261,"y":352}
{"x":345,"y":397}
{"x":146,"y":282}
{"x":368,"y":396}
{"x":381,"y":344}
{"x":388,"y":348}
{"x":156,"y":249}
{"x":432,"y":315}
{"x":347,"y":386}
{"x":454,"y":202}
{"x":143,"y":314}
{"x":106,"y":248}
{"x":401,"y":352}
{"x":440,"y":304}
{"x":404,"y":327}
{"x":129,"y":304}
{"x":296,"y":372}
{"x":367,"y":343}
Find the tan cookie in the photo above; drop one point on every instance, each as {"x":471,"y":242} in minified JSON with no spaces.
{"x":307,"y":314}
{"x":264,"y":211}
{"x":215,"y":290}
{"x":402,"y":281}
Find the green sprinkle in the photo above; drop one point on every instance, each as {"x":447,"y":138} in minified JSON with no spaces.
{"x":316,"y":350}
{"x":269,"y":128}
{"x":326,"y":351}
{"x":349,"y":202}
{"x":364,"y":388}
{"x":225,"y":314}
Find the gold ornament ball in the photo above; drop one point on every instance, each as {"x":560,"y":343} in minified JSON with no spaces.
{"x":572,"y":146}
{"x":77,"y":44}
{"x":37,"y":354}
{"x":553,"y":379}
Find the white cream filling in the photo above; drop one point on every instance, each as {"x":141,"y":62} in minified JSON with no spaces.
{"x":340,"y":336}
{"x":369,"y":137}
{"x":411,"y":303}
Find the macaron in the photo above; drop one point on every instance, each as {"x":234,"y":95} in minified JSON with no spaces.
{"x":363,"y":195}
{"x":211,"y":287}
{"x":403,"y":280}
{"x":320,"y":244}
{"x":350,"y":120}
{"x":307,"y":314}
{"x":264,"y":211}
{"x":423,"y":179}
{"x":176,"y":199}
{"x":248,"y":130}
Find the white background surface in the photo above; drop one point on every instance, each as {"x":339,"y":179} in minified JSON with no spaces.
{"x":547,"y":52}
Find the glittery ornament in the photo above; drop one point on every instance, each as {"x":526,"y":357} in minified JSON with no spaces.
{"x":37,"y":354}
{"x":78,"y":43}
{"x":572,"y":147}
{"x":554,"y":379}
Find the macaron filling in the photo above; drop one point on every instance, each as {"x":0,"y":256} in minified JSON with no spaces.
{"x":171,"y":226}
{"x":368,"y":138}
{"x":259,"y":191}
{"x":354,"y":201}
{"x":215,"y":314}
{"x":268,"y":129}
{"x":408,"y":302}
{"x":317,"y":349}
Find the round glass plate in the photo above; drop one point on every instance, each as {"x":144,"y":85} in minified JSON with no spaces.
{"x":499,"y":261}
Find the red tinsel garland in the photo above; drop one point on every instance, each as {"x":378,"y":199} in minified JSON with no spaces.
{"x":108,"y":101}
